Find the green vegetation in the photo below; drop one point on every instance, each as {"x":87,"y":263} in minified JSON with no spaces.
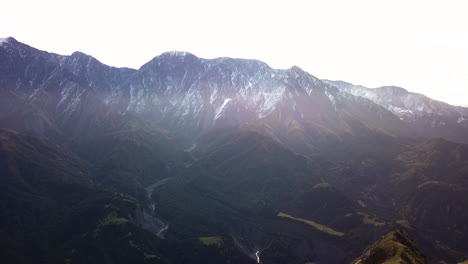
{"x":113,"y":219}
{"x":394,"y":248}
{"x":430,"y":184}
{"x":322,"y":185}
{"x":150,"y":256}
{"x":368,"y":220}
{"x":361,"y":203}
{"x":213,"y":240}
{"x":317,"y":226}
{"x":404,"y":223}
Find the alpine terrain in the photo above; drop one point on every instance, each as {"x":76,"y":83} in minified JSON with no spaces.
{"x":191,"y":160}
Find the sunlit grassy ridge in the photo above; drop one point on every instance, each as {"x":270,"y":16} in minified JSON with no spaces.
{"x":394,"y":248}
{"x":113,"y":219}
{"x":369,"y":220}
{"x":313,"y":224}
{"x":213,"y":240}
{"x":404,"y":223}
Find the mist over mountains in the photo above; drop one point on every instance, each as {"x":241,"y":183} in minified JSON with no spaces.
{"x":221,"y":161}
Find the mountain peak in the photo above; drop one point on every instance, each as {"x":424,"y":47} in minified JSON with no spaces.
{"x":79,"y":54}
{"x":173,"y":58}
{"x":296,"y":69}
{"x":393,"y":90}
{"x":82,"y":58}
{"x":7,"y":40}
{"x":395,"y":247}
{"x":176,"y":54}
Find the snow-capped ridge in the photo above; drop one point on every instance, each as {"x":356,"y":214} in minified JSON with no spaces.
{"x":178,"y":53}
{"x":222,"y":108}
{"x":7,"y":40}
{"x":189,"y":94}
{"x":79,"y":54}
{"x":422,"y":113}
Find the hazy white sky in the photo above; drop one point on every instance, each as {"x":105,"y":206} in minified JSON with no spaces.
{"x":419,"y":45}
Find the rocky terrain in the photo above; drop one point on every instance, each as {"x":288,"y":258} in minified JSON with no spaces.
{"x":222,"y":161}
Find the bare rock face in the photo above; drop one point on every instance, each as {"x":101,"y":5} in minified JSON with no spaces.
{"x":221,"y":150}
{"x":188,"y":95}
{"x":427,"y":117}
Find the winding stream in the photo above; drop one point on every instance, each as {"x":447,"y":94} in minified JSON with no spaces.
{"x":149,"y":191}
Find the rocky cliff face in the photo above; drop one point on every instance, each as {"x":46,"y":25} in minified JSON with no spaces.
{"x":215,"y":161}
{"x":193,"y":95}
{"x":188,"y":95}
{"x":429,"y":118}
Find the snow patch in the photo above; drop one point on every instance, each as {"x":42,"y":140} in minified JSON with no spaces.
{"x":177,"y":53}
{"x":213,"y":96}
{"x":4,"y":41}
{"x":331,"y":98}
{"x":398,"y":111}
{"x":270,"y":101}
{"x":221,"y":109}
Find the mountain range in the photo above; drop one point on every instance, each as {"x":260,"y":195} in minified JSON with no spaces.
{"x":222,"y":161}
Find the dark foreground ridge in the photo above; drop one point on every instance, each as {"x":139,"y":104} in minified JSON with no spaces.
{"x":396,"y":247}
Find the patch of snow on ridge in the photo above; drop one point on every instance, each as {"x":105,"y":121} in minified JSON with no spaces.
{"x":221,"y":109}
{"x":331,"y":98}
{"x":4,"y":40}
{"x":271,"y":99}
{"x":398,"y":111}
{"x":214,"y":95}
{"x":177,"y":53}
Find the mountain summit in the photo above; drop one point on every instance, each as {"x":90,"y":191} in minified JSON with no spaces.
{"x":221,"y":161}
